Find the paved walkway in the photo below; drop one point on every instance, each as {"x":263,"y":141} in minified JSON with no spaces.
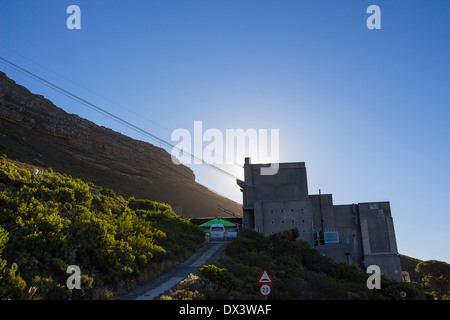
{"x":153,"y":289}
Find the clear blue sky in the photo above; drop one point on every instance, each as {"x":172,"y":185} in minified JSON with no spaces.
{"x":367,"y":110}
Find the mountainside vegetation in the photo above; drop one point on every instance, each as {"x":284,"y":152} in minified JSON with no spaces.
{"x":50,"y":221}
{"x":298,"y":272}
{"x":433,"y":275}
{"x":409,"y":264}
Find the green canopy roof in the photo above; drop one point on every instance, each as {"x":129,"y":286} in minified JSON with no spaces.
{"x":218,"y":221}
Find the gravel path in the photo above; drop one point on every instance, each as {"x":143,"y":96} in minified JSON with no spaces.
{"x":208,"y":253}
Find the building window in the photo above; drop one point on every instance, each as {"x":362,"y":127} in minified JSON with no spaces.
{"x":331,"y":237}
{"x":373,"y":206}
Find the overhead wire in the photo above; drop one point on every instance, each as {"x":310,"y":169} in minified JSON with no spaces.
{"x":228,"y":161}
{"x":126,"y":123}
{"x":110,"y":115}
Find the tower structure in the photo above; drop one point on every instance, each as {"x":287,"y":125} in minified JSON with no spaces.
{"x":353,"y":233}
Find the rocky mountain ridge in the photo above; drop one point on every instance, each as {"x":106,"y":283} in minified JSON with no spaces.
{"x":34,"y":130}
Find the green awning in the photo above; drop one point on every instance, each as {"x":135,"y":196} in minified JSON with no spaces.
{"x":218,"y":221}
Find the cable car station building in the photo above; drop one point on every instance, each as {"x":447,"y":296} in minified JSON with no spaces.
{"x":353,"y":233}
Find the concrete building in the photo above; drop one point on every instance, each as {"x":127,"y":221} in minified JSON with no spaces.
{"x":360,"y":233}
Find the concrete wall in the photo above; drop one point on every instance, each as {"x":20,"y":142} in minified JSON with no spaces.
{"x":276,"y":216}
{"x":379,"y":226}
{"x":389,"y":264}
{"x":378,"y":236}
{"x":338,"y":252}
{"x":289,"y":183}
{"x":323,"y":208}
{"x":341,"y":219}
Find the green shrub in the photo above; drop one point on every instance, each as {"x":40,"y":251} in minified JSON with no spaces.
{"x":51,"y":221}
{"x":298,"y":271}
{"x":219,"y":276}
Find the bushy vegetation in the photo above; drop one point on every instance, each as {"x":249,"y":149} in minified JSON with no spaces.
{"x":432,"y":275}
{"x":298,"y":271}
{"x":409,"y":264}
{"x":435,"y":278}
{"x":50,"y":221}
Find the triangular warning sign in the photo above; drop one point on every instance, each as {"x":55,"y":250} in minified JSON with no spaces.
{"x":265,"y":278}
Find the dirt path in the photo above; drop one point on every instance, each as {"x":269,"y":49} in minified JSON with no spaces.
{"x":153,"y":289}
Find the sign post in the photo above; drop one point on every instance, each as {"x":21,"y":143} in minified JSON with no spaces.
{"x":265,"y":280}
{"x":265,"y":290}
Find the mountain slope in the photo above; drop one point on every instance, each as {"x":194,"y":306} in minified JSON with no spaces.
{"x":34,"y":130}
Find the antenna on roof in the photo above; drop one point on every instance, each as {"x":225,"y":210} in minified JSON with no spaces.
{"x":320,"y":208}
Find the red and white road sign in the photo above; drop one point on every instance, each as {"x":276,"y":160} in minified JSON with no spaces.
{"x":265,"y":277}
{"x":265,"y":290}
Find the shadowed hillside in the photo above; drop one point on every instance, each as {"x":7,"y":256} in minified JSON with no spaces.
{"x":49,"y":221}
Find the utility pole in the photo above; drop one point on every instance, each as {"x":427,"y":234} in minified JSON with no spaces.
{"x":320,"y":208}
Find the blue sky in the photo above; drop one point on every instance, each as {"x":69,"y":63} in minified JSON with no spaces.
{"x":366,"y":110}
